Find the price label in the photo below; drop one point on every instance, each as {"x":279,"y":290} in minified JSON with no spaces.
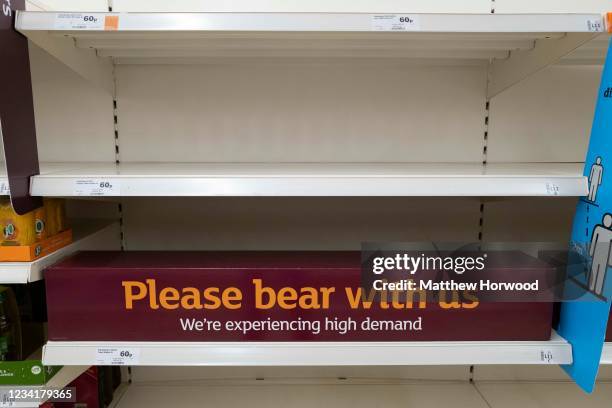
{"x":86,"y":21}
{"x":4,"y":188}
{"x":547,"y":356}
{"x":552,"y":189}
{"x":395,"y":22}
{"x":595,"y":25}
{"x":97,"y":187}
{"x":117,"y":356}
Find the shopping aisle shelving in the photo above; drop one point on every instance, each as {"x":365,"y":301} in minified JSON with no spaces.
{"x":174,"y":35}
{"x":353,"y":395}
{"x":90,"y":43}
{"x":87,"y":235}
{"x":554,"y":351}
{"x":441,"y":69}
{"x":363,"y":393}
{"x":310,"y":179}
{"x":543,"y":394}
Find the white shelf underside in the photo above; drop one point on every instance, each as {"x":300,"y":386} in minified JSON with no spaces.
{"x":314,"y":179}
{"x":318,"y":353}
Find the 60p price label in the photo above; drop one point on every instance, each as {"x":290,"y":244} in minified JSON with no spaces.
{"x":395,"y":22}
{"x":117,"y":356}
{"x":93,"y":187}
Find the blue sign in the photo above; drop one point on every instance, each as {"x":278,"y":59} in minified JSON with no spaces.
{"x":583,"y":321}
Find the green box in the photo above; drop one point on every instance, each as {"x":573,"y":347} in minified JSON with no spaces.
{"x":28,"y":336}
{"x":26,"y":372}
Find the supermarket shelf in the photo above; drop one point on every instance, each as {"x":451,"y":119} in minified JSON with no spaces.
{"x":543,"y":394}
{"x":358,"y":394}
{"x":90,"y":43}
{"x":4,"y":185}
{"x":146,"y":30}
{"x":44,"y":168}
{"x":263,"y":395}
{"x":314,"y":179}
{"x":315,"y":354}
{"x":87,"y":235}
{"x":150,"y":36}
{"x":606,"y":355}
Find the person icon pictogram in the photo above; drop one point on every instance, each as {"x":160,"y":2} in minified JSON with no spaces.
{"x":595,"y":179}
{"x":599,"y":250}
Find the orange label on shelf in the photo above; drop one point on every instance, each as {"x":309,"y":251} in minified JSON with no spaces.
{"x":609,"y":21}
{"x":111,"y":22}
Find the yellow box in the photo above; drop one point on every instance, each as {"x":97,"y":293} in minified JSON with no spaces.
{"x":20,"y":229}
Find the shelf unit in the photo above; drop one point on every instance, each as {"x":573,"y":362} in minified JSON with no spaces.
{"x":362,"y":393}
{"x":341,"y":394}
{"x":310,"y":179}
{"x":504,"y":52}
{"x":86,"y":236}
{"x":315,"y":353}
{"x":91,"y":45}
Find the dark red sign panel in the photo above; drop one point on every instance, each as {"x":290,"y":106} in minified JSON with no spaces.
{"x":17,"y":110}
{"x":261,"y":296}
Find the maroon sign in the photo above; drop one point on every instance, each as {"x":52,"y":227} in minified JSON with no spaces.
{"x":261,"y":296}
{"x":17,"y":110}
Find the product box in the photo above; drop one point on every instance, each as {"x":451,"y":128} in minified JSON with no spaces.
{"x":265,"y":296}
{"x":21,"y":338}
{"x":35,"y":234}
{"x":93,"y":389}
{"x":30,"y":370}
{"x":10,"y":326}
{"x":26,"y":372}
{"x":87,"y":387}
{"x":27,"y":253}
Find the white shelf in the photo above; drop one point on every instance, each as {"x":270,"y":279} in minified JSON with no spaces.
{"x":94,"y":235}
{"x":362,"y":394}
{"x":543,"y":394}
{"x":148,"y":23}
{"x":317,"y":353}
{"x":4,"y":184}
{"x":90,"y":46}
{"x":315,"y":179}
{"x":150,"y":36}
{"x":341,"y":394}
{"x":606,"y":355}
